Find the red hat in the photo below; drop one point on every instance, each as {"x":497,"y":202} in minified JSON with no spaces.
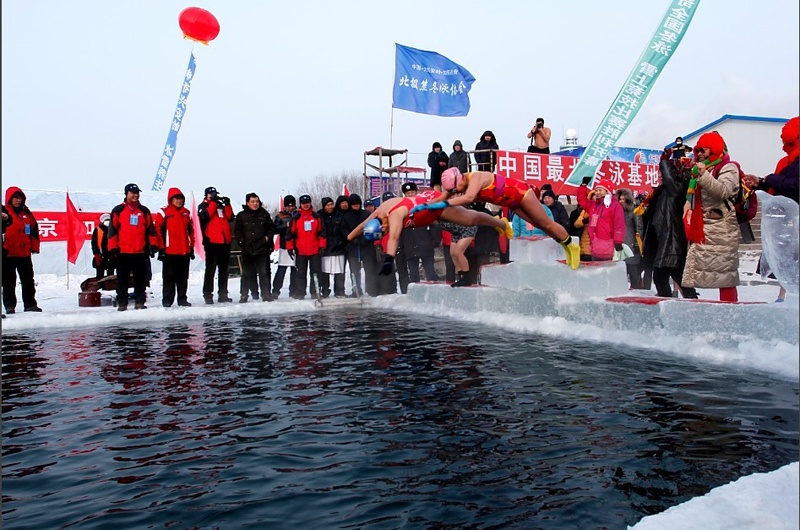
{"x":790,"y":134}
{"x":713,"y":141}
{"x":605,"y":183}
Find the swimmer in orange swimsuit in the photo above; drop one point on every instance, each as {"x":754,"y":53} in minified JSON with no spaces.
{"x":394,"y":217}
{"x":460,"y":190}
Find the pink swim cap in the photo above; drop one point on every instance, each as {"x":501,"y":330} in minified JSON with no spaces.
{"x":451,"y":178}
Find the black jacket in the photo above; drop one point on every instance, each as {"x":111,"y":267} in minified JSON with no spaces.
{"x":664,"y":238}
{"x":560,"y":214}
{"x":420,"y":242}
{"x":350,"y":220}
{"x":253,"y":230}
{"x":459,"y":159}
{"x":436,"y":169}
{"x":335,"y":237}
{"x":486,"y":161}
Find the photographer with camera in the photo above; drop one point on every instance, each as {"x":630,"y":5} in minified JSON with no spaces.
{"x":216,"y":214}
{"x":540,"y":138}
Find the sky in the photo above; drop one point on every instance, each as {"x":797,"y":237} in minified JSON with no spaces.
{"x":291,"y":91}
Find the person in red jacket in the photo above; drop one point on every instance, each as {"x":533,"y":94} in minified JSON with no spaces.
{"x":132,"y":237}
{"x":20,"y":241}
{"x":606,"y":219}
{"x":216,"y":215}
{"x":308,"y":236}
{"x":175,"y":247}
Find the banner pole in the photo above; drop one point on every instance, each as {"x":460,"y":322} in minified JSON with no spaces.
{"x":391,"y":128}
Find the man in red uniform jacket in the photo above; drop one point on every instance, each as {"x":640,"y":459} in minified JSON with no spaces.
{"x":20,"y":241}
{"x":307,"y":238}
{"x":216,"y":215}
{"x":175,"y":247}
{"x":132,"y":236}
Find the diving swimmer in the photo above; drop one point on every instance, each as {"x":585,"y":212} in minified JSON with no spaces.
{"x":462,"y":189}
{"x":394,"y":217}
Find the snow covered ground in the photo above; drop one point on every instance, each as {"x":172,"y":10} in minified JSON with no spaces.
{"x":762,"y":501}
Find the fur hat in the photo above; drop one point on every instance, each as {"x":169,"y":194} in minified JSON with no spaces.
{"x":289,"y":200}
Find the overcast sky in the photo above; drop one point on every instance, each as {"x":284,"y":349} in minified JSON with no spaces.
{"x":292,"y":90}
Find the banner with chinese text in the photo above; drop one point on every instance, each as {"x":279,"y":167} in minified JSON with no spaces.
{"x":53,"y":225}
{"x":636,"y":88}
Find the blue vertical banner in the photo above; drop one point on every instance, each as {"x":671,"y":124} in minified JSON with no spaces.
{"x":662,"y":45}
{"x":172,"y":138}
{"x":429,"y":83}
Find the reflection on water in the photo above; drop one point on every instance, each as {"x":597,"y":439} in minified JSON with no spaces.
{"x":350,"y":420}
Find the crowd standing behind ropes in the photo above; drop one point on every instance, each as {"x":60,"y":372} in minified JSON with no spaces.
{"x":682,"y":235}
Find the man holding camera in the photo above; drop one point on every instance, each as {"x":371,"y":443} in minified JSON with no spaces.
{"x":540,"y":138}
{"x":216,"y":214}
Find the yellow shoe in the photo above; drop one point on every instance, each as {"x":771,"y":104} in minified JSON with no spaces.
{"x":573,"y":251}
{"x":507,"y":230}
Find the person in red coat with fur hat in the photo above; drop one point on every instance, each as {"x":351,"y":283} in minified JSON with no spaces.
{"x":20,"y":241}
{"x":606,"y":219}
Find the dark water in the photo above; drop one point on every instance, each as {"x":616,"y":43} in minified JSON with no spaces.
{"x":330,"y":420}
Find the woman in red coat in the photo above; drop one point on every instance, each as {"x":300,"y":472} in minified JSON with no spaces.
{"x":606,"y":219}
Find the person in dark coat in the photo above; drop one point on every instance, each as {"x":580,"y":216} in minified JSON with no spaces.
{"x":558,"y":210}
{"x":253,"y":229}
{"x":664,"y":242}
{"x":419,"y":244}
{"x":437,"y":161}
{"x":281,"y":225}
{"x":360,"y":251}
{"x":486,"y":160}
{"x":459,"y":158}
{"x":633,"y":230}
{"x":334,"y":254}
{"x":102,"y":260}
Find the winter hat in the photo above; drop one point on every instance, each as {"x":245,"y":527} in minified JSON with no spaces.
{"x":712,"y":141}
{"x":605,"y":183}
{"x":451,"y":177}
{"x":133,"y":188}
{"x":436,"y":144}
{"x":549,"y":193}
{"x":387,"y":195}
{"x":369,"y":202}
{"x":458,"y":143}
{"x":211,"y":190}
{"x":305,"y":198}
{"x":105,"y":217}
{"x":340,"y":199}
{"x":790,"y":135}
{"x":326,"y":200}
{"x":408,"y":186}
{"x":289,"y":200}
{"x":354,"y":199}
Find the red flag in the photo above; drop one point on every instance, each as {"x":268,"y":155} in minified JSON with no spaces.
{"x":345,"y":191}
{"x":199,"y":250}
{"x":76,"y":232}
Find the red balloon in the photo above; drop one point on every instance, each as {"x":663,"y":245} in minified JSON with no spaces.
{"x":198,"y":24}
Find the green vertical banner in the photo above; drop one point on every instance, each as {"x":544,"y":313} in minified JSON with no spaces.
{"x":636,"y":88}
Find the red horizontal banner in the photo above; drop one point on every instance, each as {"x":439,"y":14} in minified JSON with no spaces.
{"x":53,"y":225}
{"x":542,"y":169}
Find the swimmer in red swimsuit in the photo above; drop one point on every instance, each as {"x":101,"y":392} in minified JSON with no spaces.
{"x":502,"y":191}
{"x":394,"y":217}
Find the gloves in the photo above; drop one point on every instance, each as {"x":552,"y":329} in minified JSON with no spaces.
{"x":295,"y":215}
{"x":161,"y":255}
{"x":428,"y":206}
{"x":586,"y":181}
{"x":225,"y":201}
{"x":618,"y":247}
{"x":191,"y":254}
{"x":96,"y":261}
{"x":290,"y":252}
{"x":388,"y":266}
{"x":152,"y":251}
{"x":418,"y":208}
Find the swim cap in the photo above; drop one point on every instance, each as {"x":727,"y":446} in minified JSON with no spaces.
{"x":373,"y":230}
{"x":451,"y":178}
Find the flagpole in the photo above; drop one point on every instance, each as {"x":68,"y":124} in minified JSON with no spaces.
{"x":67,"y":253}
{"x":391,"y":128}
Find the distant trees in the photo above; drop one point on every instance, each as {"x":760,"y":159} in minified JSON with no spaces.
{"x":324,"y":186}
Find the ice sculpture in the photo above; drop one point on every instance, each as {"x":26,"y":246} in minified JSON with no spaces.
{"x":779,"y":239}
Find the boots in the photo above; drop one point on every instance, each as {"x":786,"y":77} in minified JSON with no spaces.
{"x":462,"y":281}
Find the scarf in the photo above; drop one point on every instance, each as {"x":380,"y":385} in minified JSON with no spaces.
{"x":696,"y":233}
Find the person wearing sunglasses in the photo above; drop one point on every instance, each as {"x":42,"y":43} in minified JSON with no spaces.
{"x":712,"y":261}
